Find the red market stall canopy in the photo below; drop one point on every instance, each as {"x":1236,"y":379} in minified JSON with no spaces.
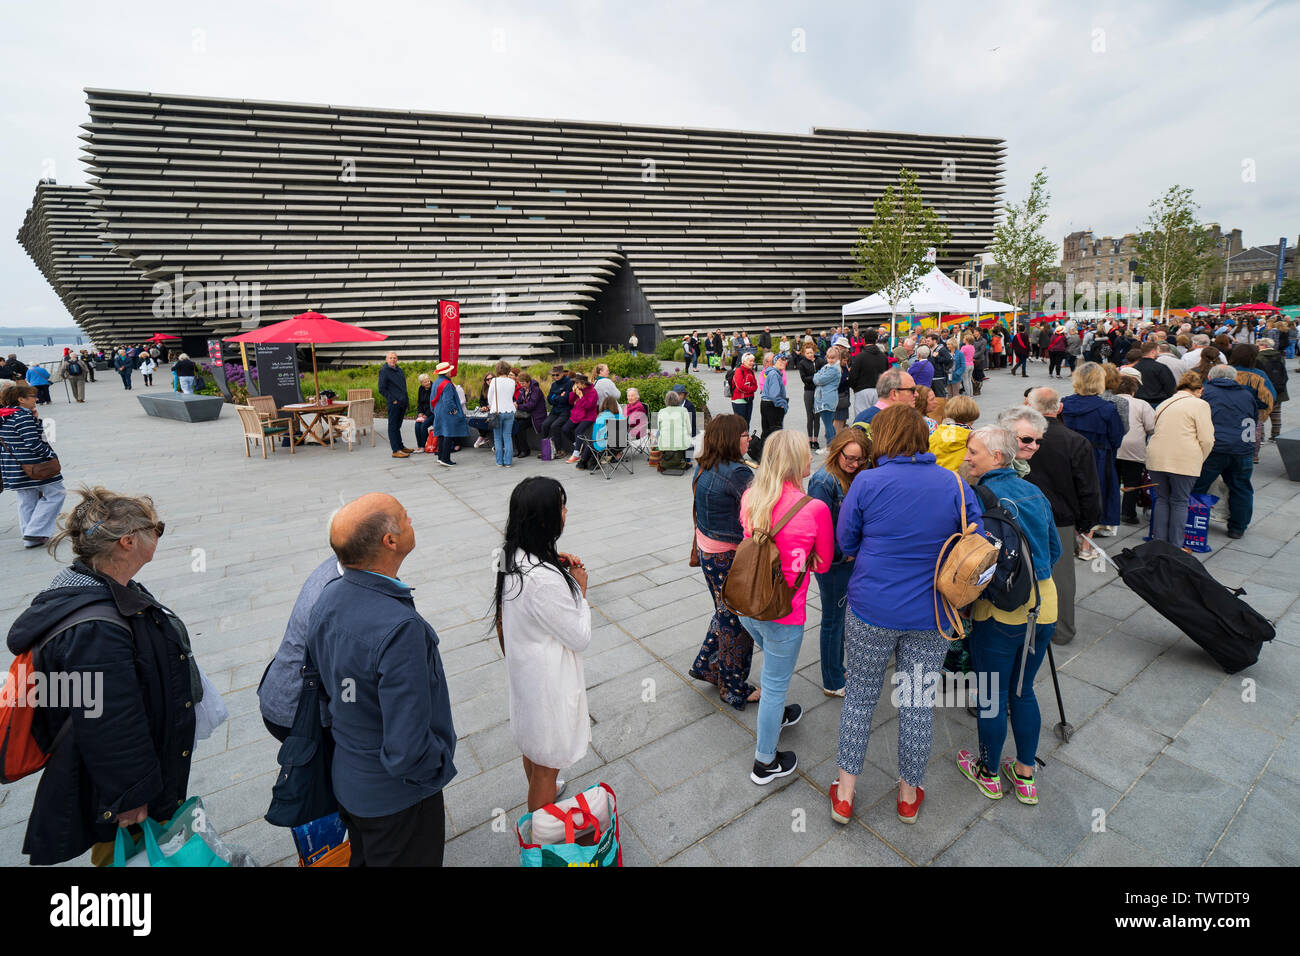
{"x":310,"y":328}
{"x":1254,"y":307}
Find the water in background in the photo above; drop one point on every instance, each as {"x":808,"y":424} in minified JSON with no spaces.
{"x":48,"y":355}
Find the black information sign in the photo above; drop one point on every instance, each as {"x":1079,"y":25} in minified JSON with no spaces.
{"x":277,"y":372}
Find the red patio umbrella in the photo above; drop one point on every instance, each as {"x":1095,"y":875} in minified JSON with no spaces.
{"x":310,"y":328}
{"x":1254,"y":307}
{"x":162,"y":337}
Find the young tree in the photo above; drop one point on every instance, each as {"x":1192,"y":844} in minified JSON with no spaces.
{"x":1021,"y":252}
{"x":1175,"y":249}
{"x":1290,"y":292}
{"x":891,"y":253}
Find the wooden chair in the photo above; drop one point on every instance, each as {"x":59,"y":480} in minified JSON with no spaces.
{"x":362,"y":412}
{"x":355,"y":396}
{"x":265,"y":406}
{"x":255,"y":429}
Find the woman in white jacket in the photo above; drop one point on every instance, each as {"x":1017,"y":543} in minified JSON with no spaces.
{"x":544,"y":623}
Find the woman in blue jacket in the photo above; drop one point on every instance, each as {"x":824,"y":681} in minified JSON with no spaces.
{"x":1005,"y":654}
{"x":826,"y":391}
{"x":846,"y":456}
{"x":1097,"y":420}
{"x":721,"y":477}
{"x":892,"y":605}
{"x":958,"y":371}
{"x":448,"y":415}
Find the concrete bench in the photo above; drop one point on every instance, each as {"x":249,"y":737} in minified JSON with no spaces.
{"x":1288,"y":445}
{"x":182,"y":408}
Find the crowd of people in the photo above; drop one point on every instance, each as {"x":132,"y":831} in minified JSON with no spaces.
{"x":906,"y":465}
{"x":571,"y":421}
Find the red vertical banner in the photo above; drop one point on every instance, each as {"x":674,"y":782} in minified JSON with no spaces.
{"x":449,"y":331}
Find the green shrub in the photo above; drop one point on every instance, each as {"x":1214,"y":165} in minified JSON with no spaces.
{"x":655,"y":387}
{"x":621,"y":364}
{"x":667,"y":348}
{"x":679,"y":355}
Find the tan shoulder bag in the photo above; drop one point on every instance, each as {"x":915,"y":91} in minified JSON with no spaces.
{"x":962,"y":560}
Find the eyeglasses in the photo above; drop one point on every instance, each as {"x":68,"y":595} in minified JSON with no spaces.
{"x":855,"y":459}
{"x":1028,"y":441}
{"x":906,"y":388}
{"x":157,"y":529}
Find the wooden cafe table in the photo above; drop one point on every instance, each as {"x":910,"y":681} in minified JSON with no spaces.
{"x":314,"y":420}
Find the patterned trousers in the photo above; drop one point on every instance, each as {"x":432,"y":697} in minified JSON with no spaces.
{"x":728,"y":649}
{"x":867,"y":649}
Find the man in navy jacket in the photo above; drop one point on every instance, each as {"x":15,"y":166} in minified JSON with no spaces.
{"x":1234,"y":409}
{"x":392,"y":386}
{"x":390,"y":712}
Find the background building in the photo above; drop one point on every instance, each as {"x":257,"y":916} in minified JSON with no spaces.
{"x":554,"y":235}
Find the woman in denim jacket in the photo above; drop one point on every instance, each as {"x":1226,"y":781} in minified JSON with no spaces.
{"x":1005,"y":662}
{"x":848,"y":454}
{"x":826,"y":397}
{"x":720,"y":479}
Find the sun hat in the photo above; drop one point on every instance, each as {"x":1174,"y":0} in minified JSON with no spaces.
{"x":445,"y":368}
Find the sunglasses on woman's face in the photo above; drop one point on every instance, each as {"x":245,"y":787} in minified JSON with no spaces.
{"x":1028,"y":440}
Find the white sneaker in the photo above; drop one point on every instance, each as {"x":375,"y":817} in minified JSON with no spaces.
{"x":480,"y":442}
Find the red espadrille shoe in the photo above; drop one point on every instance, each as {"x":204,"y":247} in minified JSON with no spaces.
{"x":841,"y":810}
{"x":908,"y":812}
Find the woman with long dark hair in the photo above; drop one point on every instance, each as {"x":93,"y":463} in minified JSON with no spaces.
{"x":544,"y":624}
{"x":721,"y":477}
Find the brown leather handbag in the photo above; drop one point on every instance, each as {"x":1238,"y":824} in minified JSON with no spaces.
{"x":50,"y":468}
{"x":962,"y":561}
{"x":695,"y":547}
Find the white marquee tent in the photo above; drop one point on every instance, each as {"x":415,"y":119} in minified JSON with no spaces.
{"x":937,"y":295}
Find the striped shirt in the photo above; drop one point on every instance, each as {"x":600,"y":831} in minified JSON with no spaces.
{"x":24,"y":444}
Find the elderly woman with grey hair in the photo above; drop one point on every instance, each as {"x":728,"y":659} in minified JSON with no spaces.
{"x":1028,"y":425}
{"x":1007,"y":646}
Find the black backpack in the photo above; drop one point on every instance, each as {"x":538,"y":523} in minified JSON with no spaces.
{"x":1013,"y":580}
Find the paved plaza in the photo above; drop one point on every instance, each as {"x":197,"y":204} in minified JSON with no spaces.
{"x":1172,"y":761}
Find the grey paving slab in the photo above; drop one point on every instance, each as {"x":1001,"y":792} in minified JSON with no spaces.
{"x":697,"y":855}
{"x":1112,"y":750}
{"x":1216,"y":741}
{"x":951,"y":805}
{"x":676,"y":818}
{"x":1069,"y":805}
{"x":1165,"y":695}
{"x":1252,"y":838}
{"x":1177,"y":811}
{"x":683,"y":753}
{"x":780,"y":831}
{"x":987,"y":844}
{"x":1112,"y":661}
{"x":1111,"y":848}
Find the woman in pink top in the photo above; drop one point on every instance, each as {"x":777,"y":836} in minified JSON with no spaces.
{"x":806,"y":543}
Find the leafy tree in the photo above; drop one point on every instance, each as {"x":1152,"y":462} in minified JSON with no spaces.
{"x":1290,"y":292}
{"x":1174,"y":249}
{"x":1021,"y":253}
{"x":891,"y":253}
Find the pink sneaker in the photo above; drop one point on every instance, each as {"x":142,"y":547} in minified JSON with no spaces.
{"x":987,"y":781}
{"x":1024,"y":787}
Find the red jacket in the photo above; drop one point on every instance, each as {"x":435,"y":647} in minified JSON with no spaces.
{"x":744,"y":383}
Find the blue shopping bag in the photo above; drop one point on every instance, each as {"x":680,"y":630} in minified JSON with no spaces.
{"x":606,"y":851}
{"x":1197,"y":533}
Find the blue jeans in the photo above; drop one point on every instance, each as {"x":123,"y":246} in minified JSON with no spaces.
{"x":995,"y":649}
{"x":1236,"y":471}
{"x":780,"y":646}
{"x":828,"y":424}
{"x":503,"y":438}
{"x":834,"y":589}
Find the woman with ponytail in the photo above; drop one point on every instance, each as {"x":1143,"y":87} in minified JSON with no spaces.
{"x":544,"y":624}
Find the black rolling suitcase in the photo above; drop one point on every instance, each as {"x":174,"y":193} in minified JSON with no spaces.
{"x":1178,"y":586}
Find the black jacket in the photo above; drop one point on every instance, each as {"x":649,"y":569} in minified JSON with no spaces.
{"x":1064,"y":470}
{"x":1157,"y":381}
{"x":136,"y":750}
{"x":12,"y":370}
{"x":807,"y":369}
{"x":185,"y":368}
{"x":422,"y":400}
{"x":558,"y":396}
{"x":866,"y":368}
{"x":392,"y":385}
{"x":765,"y":341}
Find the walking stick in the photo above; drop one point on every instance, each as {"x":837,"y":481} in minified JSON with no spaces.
{"x":1064,"y":729}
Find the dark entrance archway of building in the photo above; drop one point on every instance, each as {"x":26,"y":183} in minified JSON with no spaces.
{"x":617,"y":311}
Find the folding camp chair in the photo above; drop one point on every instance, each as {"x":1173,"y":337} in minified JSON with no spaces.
{"x":617,"y":453}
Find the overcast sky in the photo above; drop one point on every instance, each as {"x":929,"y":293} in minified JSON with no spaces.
{"x":1118,"y":101}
